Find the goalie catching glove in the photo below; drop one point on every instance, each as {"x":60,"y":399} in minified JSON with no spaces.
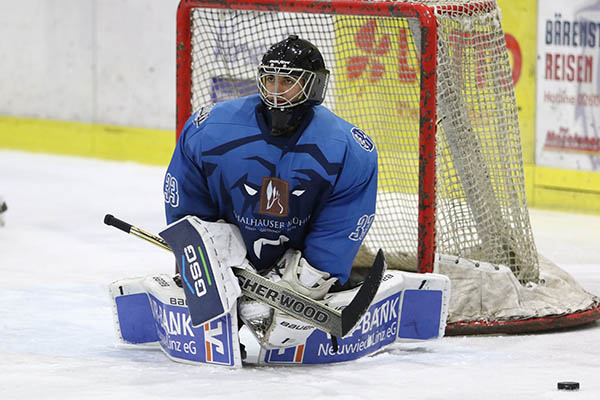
{"x":274,"y":328}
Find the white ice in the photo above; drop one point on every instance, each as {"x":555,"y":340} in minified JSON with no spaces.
{"x":56,"y":327}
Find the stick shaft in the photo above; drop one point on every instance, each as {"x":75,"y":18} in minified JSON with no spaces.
{"x":150,"y":238}
{"x":135,"y":231}
{"x":335,"y":322}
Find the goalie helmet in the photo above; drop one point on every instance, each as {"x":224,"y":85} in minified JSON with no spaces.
{"x":291,"y":78}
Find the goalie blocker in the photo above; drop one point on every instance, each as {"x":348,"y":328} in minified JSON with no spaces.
{"x":205,"y":253}
{"x":407,"y":307}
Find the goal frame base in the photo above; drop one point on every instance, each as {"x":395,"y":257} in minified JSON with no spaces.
{"x":525,"y":326}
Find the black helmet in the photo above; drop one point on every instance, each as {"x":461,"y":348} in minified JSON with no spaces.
{"x":301,"y":64}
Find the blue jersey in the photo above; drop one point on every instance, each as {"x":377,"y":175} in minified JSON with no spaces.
{"x":314,"y":191}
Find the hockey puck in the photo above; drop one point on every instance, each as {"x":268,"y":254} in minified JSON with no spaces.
{"x":568,"y":385}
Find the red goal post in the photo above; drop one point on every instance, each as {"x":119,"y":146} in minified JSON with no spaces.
{"x":431,"y":82}
{"x":427,"y":115}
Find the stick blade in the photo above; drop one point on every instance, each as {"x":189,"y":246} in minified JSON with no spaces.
{"x":361,"y":302}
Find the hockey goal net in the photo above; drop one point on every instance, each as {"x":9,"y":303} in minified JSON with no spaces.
{"x":431,"y":83}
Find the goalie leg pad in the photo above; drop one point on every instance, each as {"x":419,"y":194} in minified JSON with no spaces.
{"x":152,"y":309}
{"x":133,"y":319}
{"x":408,"y":307}
{"x":205,"y":253}
{"x":215,"y":342}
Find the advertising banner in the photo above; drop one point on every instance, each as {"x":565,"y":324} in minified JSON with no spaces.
{"x":377,"y":87}
{"x":568,"y":85}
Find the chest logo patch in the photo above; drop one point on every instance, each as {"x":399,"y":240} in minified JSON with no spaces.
{"x":274,"y":197}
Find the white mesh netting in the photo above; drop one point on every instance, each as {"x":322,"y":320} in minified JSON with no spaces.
{"x":481,"y":209}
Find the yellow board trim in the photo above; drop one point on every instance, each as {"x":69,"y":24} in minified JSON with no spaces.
{"x":550,"y":188}
{"x":565,"y":179}
{"x":566,"y":190}
{"x":567,"y":201}
{"x":146,"y":146}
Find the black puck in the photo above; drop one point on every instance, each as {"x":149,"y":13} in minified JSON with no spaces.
{"x":568,"y":385}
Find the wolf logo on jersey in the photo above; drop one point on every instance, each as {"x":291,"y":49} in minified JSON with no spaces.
{"x":306,"y":192}
{"x":274,"y":197}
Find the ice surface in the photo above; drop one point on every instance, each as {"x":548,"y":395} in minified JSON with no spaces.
{"x":57,"y":339}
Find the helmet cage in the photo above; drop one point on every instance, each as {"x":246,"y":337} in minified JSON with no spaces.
{"x":303,"y":82}
{"x":312,"y":86}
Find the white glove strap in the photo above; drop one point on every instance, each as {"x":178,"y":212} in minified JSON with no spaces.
{"x":302,"y":277}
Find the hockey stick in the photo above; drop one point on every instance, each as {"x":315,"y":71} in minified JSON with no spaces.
{"x":337,"y":323}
